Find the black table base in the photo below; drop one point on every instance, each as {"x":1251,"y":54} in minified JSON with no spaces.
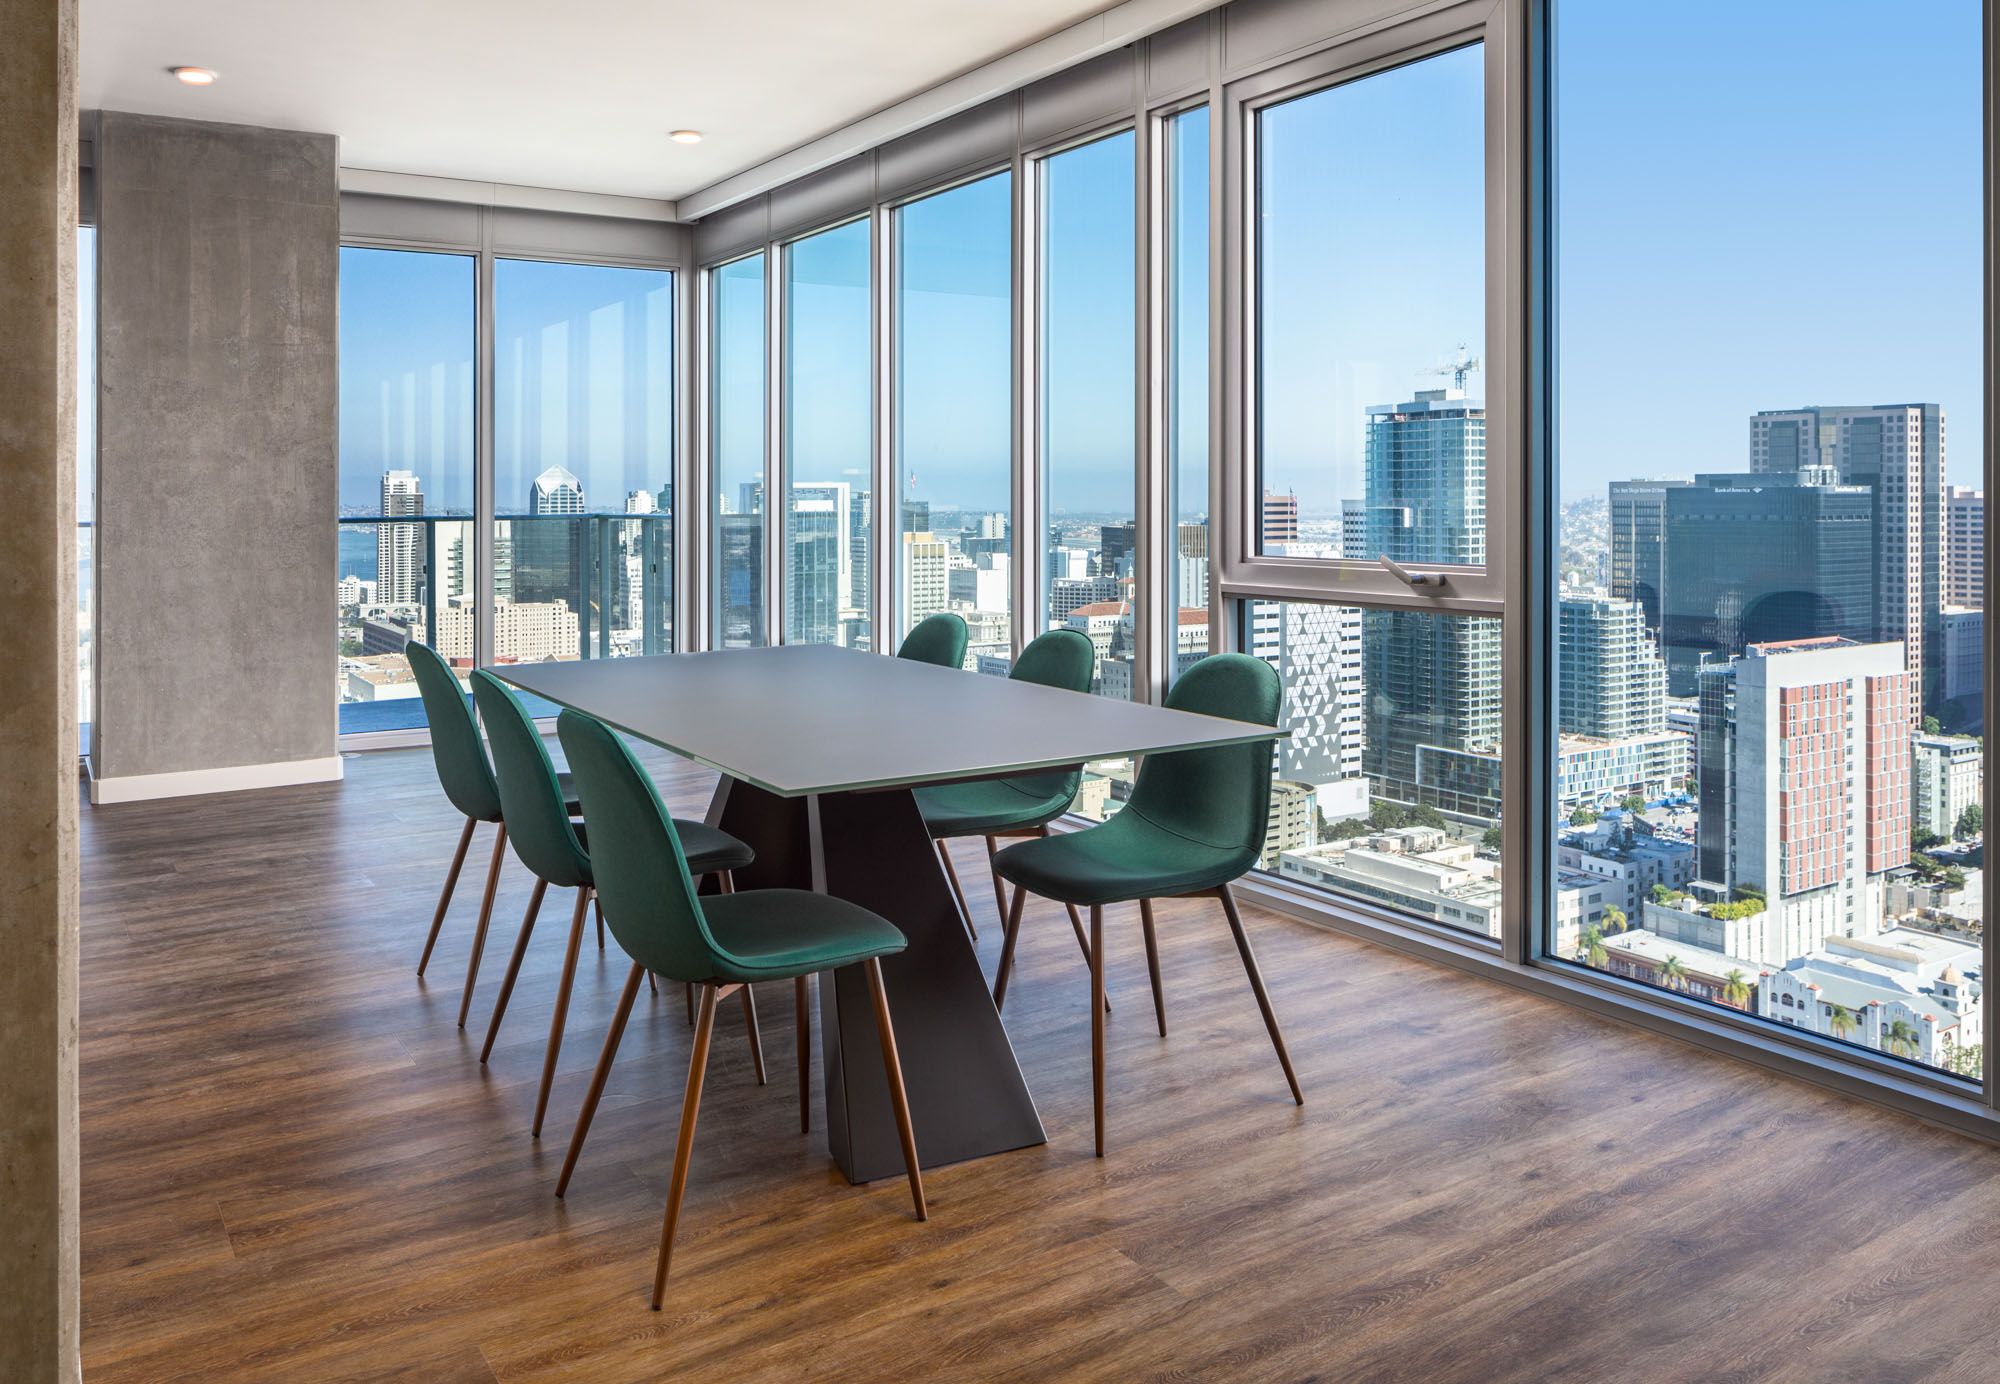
{"x":967,"y":1095}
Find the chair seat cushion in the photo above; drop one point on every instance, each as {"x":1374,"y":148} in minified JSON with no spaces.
{"x":989,"y":806}
{"x":1126,"y":858}
{"x":773,"y":934}
{"x":707,"y":849}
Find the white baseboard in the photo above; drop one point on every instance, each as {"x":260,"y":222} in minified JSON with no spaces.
{"x":236,"y":778}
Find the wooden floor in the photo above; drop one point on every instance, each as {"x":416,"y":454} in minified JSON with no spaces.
{"x":294,"y":1167}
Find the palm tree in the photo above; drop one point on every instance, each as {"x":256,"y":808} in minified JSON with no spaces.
{"x":1672,"y":973}
{"x":1842,"y":1021}
{"x":1614,"y":921}
{"x":1901,"y":1038}
{"x":1590,"y":948}
{"x":1735,"y":989}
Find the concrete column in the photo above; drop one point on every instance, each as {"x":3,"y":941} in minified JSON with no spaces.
{"x":38,"y":751}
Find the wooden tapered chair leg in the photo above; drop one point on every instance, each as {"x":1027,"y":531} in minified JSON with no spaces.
{"x":756,"y":1036}
{"x":444,"y":899}
{"x":1153,"y":963}
{"x":689,"y":991}
{"x":485,"y":916}
{"x":999,"y":889}
{"x":1097,"y":1020}
{"x":893,"y":1067}
{"x":684,"y":1145}
{"x":514,"y":966}
{"x":562,"y":1007}
{"x":1257,"y":984}
{"x":1007,"y":950}
{"x":599,"y":906}
{"x":589,"y":1111}
{"x":803,"y":1017}
{"x":957,"y":891}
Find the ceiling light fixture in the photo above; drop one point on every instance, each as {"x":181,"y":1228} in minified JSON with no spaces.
{"x":194,"y":76}
{"x":686,"y":136}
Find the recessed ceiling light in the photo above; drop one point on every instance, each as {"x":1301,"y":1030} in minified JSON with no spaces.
{"x":686,"y":136}
{"x":194,"y":76}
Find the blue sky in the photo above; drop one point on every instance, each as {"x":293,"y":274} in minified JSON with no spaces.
{"x":1788,"y":216}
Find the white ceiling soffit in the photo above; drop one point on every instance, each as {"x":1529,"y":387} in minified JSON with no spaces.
{"x":503,"y":100}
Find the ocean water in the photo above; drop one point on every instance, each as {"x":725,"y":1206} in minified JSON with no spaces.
{"x":357,"y":552}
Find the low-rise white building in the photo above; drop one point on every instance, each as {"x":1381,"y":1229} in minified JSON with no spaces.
{"x":1945,"y":779}
{"x":1630,"y":862}
{"x":1912,"y":993}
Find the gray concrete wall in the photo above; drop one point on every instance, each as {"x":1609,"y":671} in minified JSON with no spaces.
{"x":218,"y":414}
{"x":38,"y":786}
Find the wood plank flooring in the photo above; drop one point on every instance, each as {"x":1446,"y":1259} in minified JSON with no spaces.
{"x":295,"y":1168}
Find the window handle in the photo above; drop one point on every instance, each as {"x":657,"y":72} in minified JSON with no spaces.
{"x":1436,"y":579}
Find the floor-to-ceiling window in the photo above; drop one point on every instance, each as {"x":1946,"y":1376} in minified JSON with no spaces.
{"x":86,"y":472}
{"x":828,"y":438}
{"x":1370,"y":441}
{"x":1770,"y":696}
{"x":407,"y":329}
{"x":953,"y":451}
{"x":583,"y":452}
{"x":1185,"y":212}
{"x":1086,"y":398}
{"x":736,"y":450}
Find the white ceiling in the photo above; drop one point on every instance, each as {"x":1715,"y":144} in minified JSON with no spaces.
{"x":572,"y":94}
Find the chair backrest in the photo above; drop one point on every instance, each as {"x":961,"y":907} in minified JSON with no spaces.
{"x":642,"y":874}
{"x":462,"y":766}
{"x":1219,"y":796}
{"x":1055,"y":658}
{"x":530,"y":794}
{"x":938,"y":639}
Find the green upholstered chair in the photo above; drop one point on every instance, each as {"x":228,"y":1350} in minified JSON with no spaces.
{"x":938,"y":639}
{"x":719,"y":943}
{"x":1194,"y":824}
{"x":555,"y":851}
{"x":997,"y":808}
{"x":467,"y":778}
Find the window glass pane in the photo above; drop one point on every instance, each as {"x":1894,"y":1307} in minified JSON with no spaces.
{"x":738,"y":457}
{"x":1370,"y":306}
{"x":1388,"y":789}
{"x":406,"y":451}
{"x":829,"y":438}
{"x":1771,"y":610}
{"x":1187,"y":380}
{"x":954,"y":390}
{"x":583,"y":451}
{"x":86,"y":469}
{"x":1089,"y":466}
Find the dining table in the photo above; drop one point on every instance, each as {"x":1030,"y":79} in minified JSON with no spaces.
{"x":819,"y":751}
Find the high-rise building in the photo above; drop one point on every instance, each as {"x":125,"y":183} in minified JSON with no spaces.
{"x":1898,"y":451}
{"x":1281,"y":518}
{"x":1964,"y":546}
{"x":1431,"y":732}
{"x":400,"y":550}
{"x":860,"y":550}
{"x":1760,"y":559}
{"x":1316,"y":650}
{"x":1611,"y":680}
{"x":548,"y":544}
{"x":1117,"y":549}
{"x":821,"y":590}
{"x":1805,"y":787}
{"x":739,"y":542}
{"x":925,"y":576}
{"x":1946,"y":776}
{"x":1638,"y":520}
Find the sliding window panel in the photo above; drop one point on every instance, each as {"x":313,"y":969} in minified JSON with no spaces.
{"x":737,"y":438}
{"x":407,"y":445}
{"x":583,"y":460}
{"x":828,"y":438}
{"x":1186,"y":360}
{"x":1388,"y":790}
{"x":1085,"y":402}
{"x":953,"y":442}
{"x":1367,"y":242}
{"x":1771,"y":613}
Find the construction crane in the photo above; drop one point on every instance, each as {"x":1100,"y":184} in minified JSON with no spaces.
{"x":1457,"y":369}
